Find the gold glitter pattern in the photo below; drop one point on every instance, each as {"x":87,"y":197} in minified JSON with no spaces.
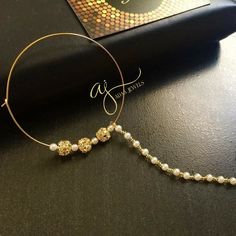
{"x":103,"y":135}
{"x":64,"y":148}
{"x":100,"y":18}
{"x":84,"y":145}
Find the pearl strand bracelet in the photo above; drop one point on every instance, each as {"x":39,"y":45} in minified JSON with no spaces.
{"x":173,"y":171}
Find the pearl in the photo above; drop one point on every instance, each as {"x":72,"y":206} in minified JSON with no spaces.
{"x":145,"y":152}
{"x":110,"y":128}
{"x":221,"y":179}
{"x":209,"y":178}
{"x":232,"y":181}
{"x":53,"y":147}
{"x":74,"y":147}
{"x":154,"y":160}
{"x":118,"y":128}
{"x":127,"y":136}
{"x":197,"y":177}
{"x":94,"y":141}
{"x":165,"y":167}
{"x":136,"y":143}
{"x":176,"y":172}
{"x":186,"y":175}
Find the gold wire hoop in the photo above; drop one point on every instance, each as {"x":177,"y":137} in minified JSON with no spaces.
{"x":6,"y":101}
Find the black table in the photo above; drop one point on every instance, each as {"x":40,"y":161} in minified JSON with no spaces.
{"x":185,"y":114}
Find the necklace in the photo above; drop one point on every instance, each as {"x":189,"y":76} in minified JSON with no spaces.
{"x":84,"y":145}
{"x":165,"y":167}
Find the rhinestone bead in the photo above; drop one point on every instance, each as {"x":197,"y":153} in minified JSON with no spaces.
{"x":103,"y":135}
{"x":84,"y":145}
{"x":64,"y":148}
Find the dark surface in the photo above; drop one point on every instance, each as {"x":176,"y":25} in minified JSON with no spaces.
{"x":185,"y":113}
{"x":22,"y":21}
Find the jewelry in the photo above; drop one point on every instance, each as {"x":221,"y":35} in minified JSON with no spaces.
{"x":84,"y":145}
{"x":172,"y":171}
{"x":65,"y":147}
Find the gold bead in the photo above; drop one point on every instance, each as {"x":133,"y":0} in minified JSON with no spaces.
{"x":84,"y":145}
{"x":64,"y":148}
{"x":103,"y":135}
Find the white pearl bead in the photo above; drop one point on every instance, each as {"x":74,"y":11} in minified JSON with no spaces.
{"x":145,"y":152}
{"x":74,"y":147}
{"x":94,"y":141}
{"x":118,"y":128}
{"x":186,"y":175}
{"x":197,"y":177}
{"x":136,"y":143}
{"x":232,"y":181}
{"x":164,"y":167}
{"x":176,"y":172}
{"x":154,"y":160}
{"x":127,"y":136}
{"x":53,"y":147}
{"x":209,"y":178}
{"x":110,"y":128}
{"x":220,"y":179}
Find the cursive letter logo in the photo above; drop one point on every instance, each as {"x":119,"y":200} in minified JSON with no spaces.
{"x":102,"y":89}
